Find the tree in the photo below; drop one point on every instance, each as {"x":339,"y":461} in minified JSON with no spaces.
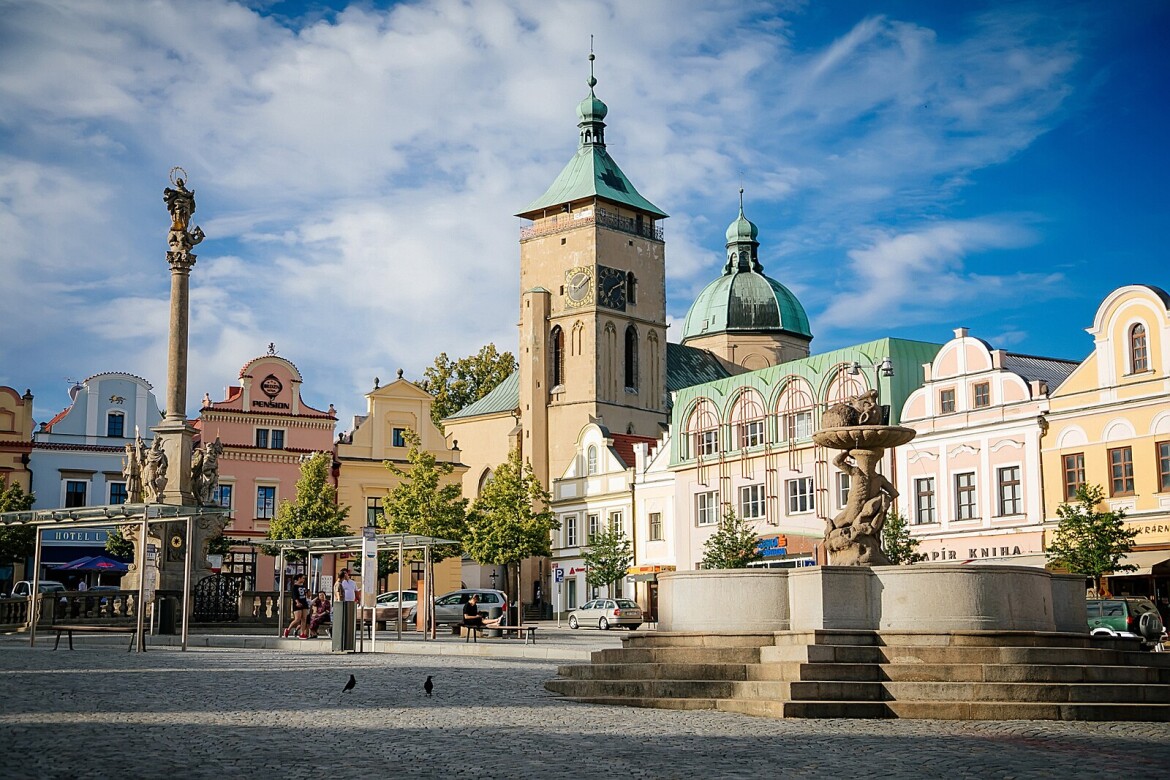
{"x":511,"y":520}
{"x":608,"y":558}
{"x":314,"y":512}
{"x":1088,"y":541}
{"x":420,"y":504}
{"x":734,"y":544}
{"x":118,"y":545}
{"x":900,"y":547}
{"x":457,"y":383}
{"x":17,"y":542}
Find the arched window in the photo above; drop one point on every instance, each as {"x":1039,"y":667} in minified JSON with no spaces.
{"x":484,"y":478}
{"x":631,"y":287}
{"x":557,"y":348}
{"x":703,"y":429}
{"x":1139,"y":353}
{"x":747,"y":419}
{"x":591,"y":460}
{"x":794,"y":411}
{"x":631,"y":358}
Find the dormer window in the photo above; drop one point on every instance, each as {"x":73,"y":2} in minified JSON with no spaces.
{"x":115,"y":425}
{"x":1139,"y":352}
{"x":591,"y":460}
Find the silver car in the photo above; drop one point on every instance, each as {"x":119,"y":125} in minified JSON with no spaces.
{"x":449,"y":606}
{"x":604,"y":613}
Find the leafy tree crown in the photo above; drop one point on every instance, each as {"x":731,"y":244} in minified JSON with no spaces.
{"x":422,"y":504}
{"x":457,"y":383}
{"x":1089,"y":540}
{"x":511,"y":519}
{"x":734,"y":545}
{"x":608,"y":558}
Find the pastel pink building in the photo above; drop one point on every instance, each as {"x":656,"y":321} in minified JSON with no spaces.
{"x":265,"y":428}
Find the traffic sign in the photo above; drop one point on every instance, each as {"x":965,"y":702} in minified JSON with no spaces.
{"x":559,"y":574}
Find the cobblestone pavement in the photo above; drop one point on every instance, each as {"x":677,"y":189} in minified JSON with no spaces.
{"x":102,"y":712}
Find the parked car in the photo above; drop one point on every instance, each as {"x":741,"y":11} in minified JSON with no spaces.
{"x":604,"y":613}
{"x":449,"y":606}
{"x":386,"y":606}
{"x":1131,"y":618}
{"x":24,"y":587}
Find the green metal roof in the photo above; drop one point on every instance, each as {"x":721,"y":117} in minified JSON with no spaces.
{"x":504,"y":397}
{"x":686,"y":366}
{"x":592,"y":173}
{"x":745,"y":301}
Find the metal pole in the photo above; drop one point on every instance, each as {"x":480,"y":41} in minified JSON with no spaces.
{"x":429,"y":577}
{"x":280,"y":596}
{"x":187,"y":561}
{"x":34,"y":596}
{"x":140,"y":615}
{"x":400,"y":588}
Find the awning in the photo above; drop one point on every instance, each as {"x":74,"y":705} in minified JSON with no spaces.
{"x":1145,"y":560}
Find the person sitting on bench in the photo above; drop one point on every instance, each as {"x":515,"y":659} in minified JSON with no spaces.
{"x":471,"y":616}
{"x":320,"y":610}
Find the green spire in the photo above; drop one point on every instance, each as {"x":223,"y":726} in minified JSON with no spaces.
{"x":742,"y":246}
{"x":591,"y":111}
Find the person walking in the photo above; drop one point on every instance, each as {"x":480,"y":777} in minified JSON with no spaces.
{"x":300,"y":608}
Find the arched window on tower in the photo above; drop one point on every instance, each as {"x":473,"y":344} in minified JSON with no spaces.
{"x":1139,"y":353}
{"x":557,"y":350}
{"x":631,"y":287}
{"x":631,"y":358}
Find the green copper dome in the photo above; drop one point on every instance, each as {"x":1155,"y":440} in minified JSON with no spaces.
{"x":591,"y":109}
{"x":743,"y":299}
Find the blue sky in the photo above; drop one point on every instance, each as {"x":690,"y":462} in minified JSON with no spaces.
{"x":913,"y":167}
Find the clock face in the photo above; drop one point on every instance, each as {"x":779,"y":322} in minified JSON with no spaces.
{"x":611,"y":287}
{"x":579,"y":287}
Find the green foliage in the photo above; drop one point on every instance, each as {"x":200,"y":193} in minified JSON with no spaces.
{"x":17,"y":542}
{"x":119,"y":545}
{"x":421,"y":504}
{"x":219,"y":545}
{"x":1088,"y":541}
{"x":608,"y":558}
{"x":457,"y":383}
{"x":900,"y":547}
{"x":734,"y":544}
{"x":511,"y":520}
{"x":314,"y":513}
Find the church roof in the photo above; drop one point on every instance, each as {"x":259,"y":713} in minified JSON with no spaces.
{"x":504,"y":397}
{"x":745,"y":301}
{"x":592,"y":173}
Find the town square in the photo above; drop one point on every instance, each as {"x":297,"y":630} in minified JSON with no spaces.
{"x":826,"y":432}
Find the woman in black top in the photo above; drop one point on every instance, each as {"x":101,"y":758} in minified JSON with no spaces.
{"x":300,"y":607}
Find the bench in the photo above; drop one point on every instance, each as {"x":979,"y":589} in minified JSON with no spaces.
{"x":528,"y":630}
{"x":93,"y":629}
{"x":468,"y":632}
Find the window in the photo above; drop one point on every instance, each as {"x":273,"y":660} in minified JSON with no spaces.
{"x":615,"y":522}
{"x":115,"y":425}
{"x":843,"y":482}
{"x":277,"y":439}
{"x":1163,"y":465}
{"x":799,"y":425}
{"x":708,"y":442}
{"x":265,"y":502}
{"x":924,"y":500}
{"x":75,"y":493}
{"x":118,"y":493}
{"x":751,"y":502}
{"x":982,"y":395}
{"x":1139,"y":353}
{"x":222,"y":497}
{"x":374,"y":511}
{"x":656,"y":526}
{"x":1011,"y":500}
{"x":800,"y":495}
{"x":270,"y":438}
{"x":751,"y":434}
{"x":631,"y":358}
{"x":397,"y":437}
{"x":591,"y":460}
{"x":571,"y":593}
{"x":703,"y":429}
{"x":707,"y":508}
{"x":965,"y":505}
{"x":631,"y":287}
{"x":571,"y":531}
{"x":594,"y":527}
{"x":946,"y":401}
{"x":1121,"y":471}
{"x":557,"y":344}
{"x":262,"y":438}
{"x":1074,"y":474}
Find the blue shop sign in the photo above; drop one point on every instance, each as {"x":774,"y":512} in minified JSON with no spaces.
{"x":773,"y":546}
{"x":58,"y":537}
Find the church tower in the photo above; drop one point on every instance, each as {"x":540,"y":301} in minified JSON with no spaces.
{"x":592,"y":304}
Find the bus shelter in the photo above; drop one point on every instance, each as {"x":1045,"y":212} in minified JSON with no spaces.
{"x":336,"y":545}
{"x":142,"y":515}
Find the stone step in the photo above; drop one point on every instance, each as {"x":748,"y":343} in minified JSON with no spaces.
{"x":692,"y":639}
{"x":648,"y":702}
{"x":930,"y":654}
{"x":838,"y":654}
{"x":782,"y":690}
{"x":656,"y":672}
{"x":678,"y":655}
{"x":768,"y":708}
{"x":1051,"y":693}
{"x":1008,"y":673}
{"x":793,"y":670}
{"x":982,"y":710}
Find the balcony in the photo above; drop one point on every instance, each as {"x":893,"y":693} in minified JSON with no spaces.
{"x":595,"y":216}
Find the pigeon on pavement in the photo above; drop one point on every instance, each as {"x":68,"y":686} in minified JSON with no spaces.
{"x":349,"y":686}
{"x":428,"y":686}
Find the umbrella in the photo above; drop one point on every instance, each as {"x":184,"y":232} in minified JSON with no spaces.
{"x":94,"y":563}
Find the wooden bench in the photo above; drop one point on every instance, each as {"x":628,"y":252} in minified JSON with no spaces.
{"x":528,"y":630}
{"x":62,"y":628}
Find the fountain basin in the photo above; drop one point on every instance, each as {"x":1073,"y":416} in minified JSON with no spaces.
{"x":864,"y":437}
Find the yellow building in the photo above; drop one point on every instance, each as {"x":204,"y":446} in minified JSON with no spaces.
{"x":1109,"y":425}
{"x":16,"y":437}
{"x":378,"y":438}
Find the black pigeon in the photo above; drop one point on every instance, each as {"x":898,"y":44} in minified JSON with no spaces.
{"x":428,"y":686}
{"x":349,"y":686}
